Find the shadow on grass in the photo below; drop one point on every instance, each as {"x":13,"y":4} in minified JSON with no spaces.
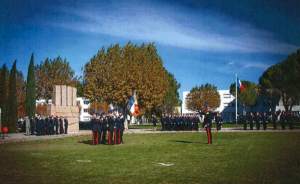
{"x":89,"y":142}
{"x":188,"y":142}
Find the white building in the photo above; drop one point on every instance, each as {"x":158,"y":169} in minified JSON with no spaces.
{"x":227,"y":106}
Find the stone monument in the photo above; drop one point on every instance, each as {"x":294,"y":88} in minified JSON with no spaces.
{"x":64,"y":104}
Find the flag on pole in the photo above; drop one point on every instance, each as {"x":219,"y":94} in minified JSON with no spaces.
{"x":240,"y":85}
{"x":132,"y":105}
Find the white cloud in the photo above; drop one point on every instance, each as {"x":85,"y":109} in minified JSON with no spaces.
{"x":174,"y":28}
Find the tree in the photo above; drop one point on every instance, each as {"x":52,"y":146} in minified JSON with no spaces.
{"x":3,"y":96}
{"x":114,"y":74}
{"x":249,"y":97}
{"x":171,"y":98}
{"x":199,"y":96}
{"x":80,"y":89}
{"x":281,"y":81}
{"x":53,"y":72}
{"x":21,"y":87}
{"x":98,"y":106}
{"x":41,"y":109}
{"x":30,"y":90}
{"x":12,"y":107}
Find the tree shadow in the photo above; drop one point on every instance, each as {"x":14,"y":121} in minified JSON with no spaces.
{"x":188,"y":142}
{"x":90,"y":142}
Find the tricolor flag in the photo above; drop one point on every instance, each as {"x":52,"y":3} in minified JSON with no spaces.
{"x":240,"y":85}
{"x":132,"y":105}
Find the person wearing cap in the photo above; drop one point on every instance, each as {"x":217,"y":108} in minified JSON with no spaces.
{"x":104,"y":127}
{"x":207,"y":124}
{"x":99,"y":127}
{"x":274,"y":119}
{"x":61,"y":125}
{"x":94,"y":129}
{"x":66,"y":125}
{"x":111,"y":123}
{"x":122,"y":127}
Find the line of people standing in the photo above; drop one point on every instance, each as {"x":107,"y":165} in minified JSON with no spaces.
{"x":113,"y":124}
{"x":275,"y":117}
{"x":182,"y":123}
{"x":46,"y":125}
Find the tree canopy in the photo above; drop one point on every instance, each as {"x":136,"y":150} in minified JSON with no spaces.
{"x":200,"y":95}
{"x":249,"y":97}
{"x":113,"y":74}
{"x":53,"y":72}
{"x":3,"y":95}
{"x":30,"y":90}
{"x":281,"y":81}
{"x":12,"y":100}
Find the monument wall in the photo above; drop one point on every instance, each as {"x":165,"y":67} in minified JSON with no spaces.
{"x":64,"y":104}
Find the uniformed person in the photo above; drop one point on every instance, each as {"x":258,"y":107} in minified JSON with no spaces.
{"x":116,"y":125}
{"x":52,"y":122}
{"x":111,"y":124}
{"x":251,"y":120}
{"x":265,"y":120}
{"x":94,"y":129}
{"x":170,"y":122}
{"x":104,"y":127}
{"x":258,"y":120}
{"x":291,"y":120}
{"x":66,"y":125}
{"x":38,"y":126}
{"x":56,"y":125}
{"x":197,"y":122}
{"x":163,"y":119}
{"x":283,"y":120}
{"x":43,"y":123}
{"x":48,"y":125}
{"x":122,"y":126}
{"x":243,"y":120}
{"x":61,"y":125}
{"x":207,"y":124}
{"x":99,"y":127}
{"x":274,"y":119}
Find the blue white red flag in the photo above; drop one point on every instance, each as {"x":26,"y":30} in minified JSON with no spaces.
{"x":240,"y":85}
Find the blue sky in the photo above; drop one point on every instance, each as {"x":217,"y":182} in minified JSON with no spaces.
{"x":199,"y":41}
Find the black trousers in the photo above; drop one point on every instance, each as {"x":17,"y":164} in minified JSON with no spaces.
{"x":251,"y":125}
{"x":209,"y":136}
{"x":117,"y":136}
{"x":291,"y":125}
{"x":163,"y":126}
{"x":52,"y":130}
{"x":245,"y":126}
{"x":170,"y":126}
{"x":56,"y":129}
{"x":95,"y":137}
{"x":197,"y":126}
{"x":121,"y":135}
{"x":110,"y":137}
{"x":283,"y":125}
{"x":274,"y":125}
{"x":99,"y":137}
{"x":66,"y":129}
{"x":32,"y":130}
{"x":265,"y":125}
{"x":257,"y":125}
{"x":61,"y":129}
{"x":104,"y":135}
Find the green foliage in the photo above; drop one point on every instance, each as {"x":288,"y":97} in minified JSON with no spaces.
{"x":200,"y":95}
{"x":53,"y":72}
{"x":30,"y":90}
{"x":281,"y":81}
{"x":12,"y":108}
{"x":249,"y":97}
{"x":80,"y":89}
{"x":171,"y":99}
{"x":3,"y":95}
{"x":113,"y":74}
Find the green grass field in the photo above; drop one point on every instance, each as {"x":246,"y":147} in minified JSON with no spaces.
{"x":269,"y":157}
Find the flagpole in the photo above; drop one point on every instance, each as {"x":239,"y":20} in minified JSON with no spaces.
{"x":236,"y":101}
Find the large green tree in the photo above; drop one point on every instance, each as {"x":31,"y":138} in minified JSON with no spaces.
{"x":113,"y":74}
{"x":30,"y":99}
{"x":12,"y":100}
{"x":3,"y":95}
{"x":249,"y":97}
{"x":53,"y":72}
{"x":281,"y":81}
{"x":200,"y":95}
{"x":171,"y":98}
{"x":21,"y":93}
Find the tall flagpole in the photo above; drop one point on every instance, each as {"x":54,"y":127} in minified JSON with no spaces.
{"x":236,"y":101}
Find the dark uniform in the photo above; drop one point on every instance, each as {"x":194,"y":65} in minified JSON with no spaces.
{"x":274,"y":119}
{"x":197,"y":123}
{"x":111,"y":124}
{"x":99,"y":127}
{"x":154,"y":121}
{"x":283,"y":120}
{"x":265,"y":121}
{"x":104,"y":127}
{"x":94,"y":130}
{"x":48,"y":126}
{"x":170,"y":123}
{"x":163,"y":122}
{"x":43,"y":122}
{"x":122,"y":126}
{"x":52,"y":122}
{"x":38,"y":126}
{"x":251,"y":120}
{"x":56,"y":125}
{"x":290,"y":119}
{"x":61,"y":126}
{"x":207,"y":124}
{"x":258,"y":121}
{"x":219,"y":121}
{"x":66,"y":125}
{"x":243,"y":121}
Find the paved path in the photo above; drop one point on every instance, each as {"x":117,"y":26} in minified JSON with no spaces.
{"x":21,"y":137}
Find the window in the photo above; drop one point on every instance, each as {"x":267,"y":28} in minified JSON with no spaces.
{"x":227,"y":96}
{"x":85,"y":110}
{"x":86,"y":102}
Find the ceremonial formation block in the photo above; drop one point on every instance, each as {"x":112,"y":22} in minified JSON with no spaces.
{"x":64,"y":103}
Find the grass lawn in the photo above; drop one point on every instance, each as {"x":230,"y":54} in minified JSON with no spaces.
{"x":225,"y":125}
{"x":270,"y":157}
